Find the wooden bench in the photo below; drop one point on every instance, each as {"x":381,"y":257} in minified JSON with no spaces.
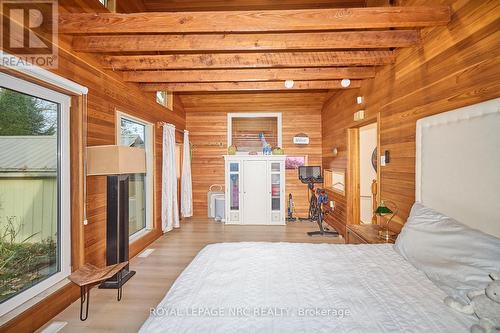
{"x":89,"y":275}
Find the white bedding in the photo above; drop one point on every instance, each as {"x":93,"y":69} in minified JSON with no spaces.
{"x":290,"y":287}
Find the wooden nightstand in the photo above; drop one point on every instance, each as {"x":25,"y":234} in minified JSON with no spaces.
{"x":365,"y":234}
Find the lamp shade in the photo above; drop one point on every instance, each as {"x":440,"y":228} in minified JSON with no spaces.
{"x":382,"y":209}
{"x":115,"y":160}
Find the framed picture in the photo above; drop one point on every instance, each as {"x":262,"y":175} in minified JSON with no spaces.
{"x":294,"y":162}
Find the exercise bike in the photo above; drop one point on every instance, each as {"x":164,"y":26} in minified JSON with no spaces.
{"x":318,"y":201}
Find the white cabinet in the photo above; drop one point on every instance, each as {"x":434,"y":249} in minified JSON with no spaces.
{"x":255,"y":187}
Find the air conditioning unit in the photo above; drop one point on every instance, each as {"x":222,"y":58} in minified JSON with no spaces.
{"x":220,"y":208}
{"x":211,"y":196}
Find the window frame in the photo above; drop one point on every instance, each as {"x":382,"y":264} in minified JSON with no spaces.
{"x":150,"y":174}
{"x":108,"y":4}
{"x":169,"y":99}
{"x":64,"y":187}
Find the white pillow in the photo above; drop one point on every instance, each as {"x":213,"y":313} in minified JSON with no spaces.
{"x":455,"y":257}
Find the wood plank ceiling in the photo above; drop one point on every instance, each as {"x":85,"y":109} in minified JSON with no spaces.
{"x":254,"y":48}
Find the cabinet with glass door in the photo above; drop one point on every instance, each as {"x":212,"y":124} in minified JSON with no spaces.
{"x":276,"y":173}
{"x":255,"y":188}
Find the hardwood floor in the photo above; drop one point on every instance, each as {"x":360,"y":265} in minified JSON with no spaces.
{"x":156,"y":273}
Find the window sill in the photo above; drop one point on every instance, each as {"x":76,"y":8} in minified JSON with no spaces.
{"x":138,"y":235}
{"x":33,"y":301}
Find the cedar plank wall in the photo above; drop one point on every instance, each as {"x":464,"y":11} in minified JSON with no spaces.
{"x":107,"y":92}
{"x":206,"y":118}
{"x":455,"y":66}
{"x":336,"y":118}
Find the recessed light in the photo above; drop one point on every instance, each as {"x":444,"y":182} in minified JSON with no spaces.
{"x":289,"y":84}
{"x":345,"y":83}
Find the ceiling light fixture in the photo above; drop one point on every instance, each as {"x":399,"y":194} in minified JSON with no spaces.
{"x":289,"y":84}
{"x":345,"y":83}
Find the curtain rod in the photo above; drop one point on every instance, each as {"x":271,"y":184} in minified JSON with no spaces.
{"x":162,"y":123}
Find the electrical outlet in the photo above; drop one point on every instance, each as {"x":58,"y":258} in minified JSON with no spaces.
{"x":382,"y":160}
{"x":85,"y":222}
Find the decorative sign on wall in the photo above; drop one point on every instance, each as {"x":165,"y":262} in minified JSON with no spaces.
{"x":301,"y":139}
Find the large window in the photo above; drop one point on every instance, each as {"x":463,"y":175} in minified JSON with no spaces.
{"x":34,"y":190}
{"x":137,"y":133}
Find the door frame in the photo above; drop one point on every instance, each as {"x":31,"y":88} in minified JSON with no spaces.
{"x":353,"y":174}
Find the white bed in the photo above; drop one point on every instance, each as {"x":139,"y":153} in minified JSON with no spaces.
{"x":274,"y":283}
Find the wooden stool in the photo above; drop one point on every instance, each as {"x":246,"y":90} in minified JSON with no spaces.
{"x":88,"y":275}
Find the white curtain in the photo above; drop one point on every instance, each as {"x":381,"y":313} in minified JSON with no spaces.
{"x":186,"y":186}
{"x":169,"y":205}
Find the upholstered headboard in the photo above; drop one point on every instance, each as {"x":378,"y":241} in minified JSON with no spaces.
{"x":458,"y":165}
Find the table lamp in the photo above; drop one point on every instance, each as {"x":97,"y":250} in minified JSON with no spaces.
{"x":383,"y":210}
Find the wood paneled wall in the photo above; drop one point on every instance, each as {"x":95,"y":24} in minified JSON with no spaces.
{"x":206,"y":118}
{"x":456,"y":65}
{"x":107,"y":93}
{"x":336,"y":118}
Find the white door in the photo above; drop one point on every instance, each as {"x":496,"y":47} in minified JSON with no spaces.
{"x":255,"y":192}
{"x":367,"y":143}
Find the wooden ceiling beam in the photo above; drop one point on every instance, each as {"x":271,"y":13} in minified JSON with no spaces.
{"x":249,"y":75}
{"x":247,"y":42}
{"x":255,"y":21}
{"x":246,"y":86}
{"x":211,"y":5}
{"x":249,"y":60}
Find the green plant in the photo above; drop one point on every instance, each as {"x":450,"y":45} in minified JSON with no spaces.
{"x":23,"y":263}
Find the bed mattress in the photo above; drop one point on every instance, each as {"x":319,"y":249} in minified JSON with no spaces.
{"x":293,"y":287}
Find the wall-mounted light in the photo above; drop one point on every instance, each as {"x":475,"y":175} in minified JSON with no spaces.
{"x":289,"y":84}
{"x":360,"y":100}
{"x":335,"y":151}
{"x":345,"y":83}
